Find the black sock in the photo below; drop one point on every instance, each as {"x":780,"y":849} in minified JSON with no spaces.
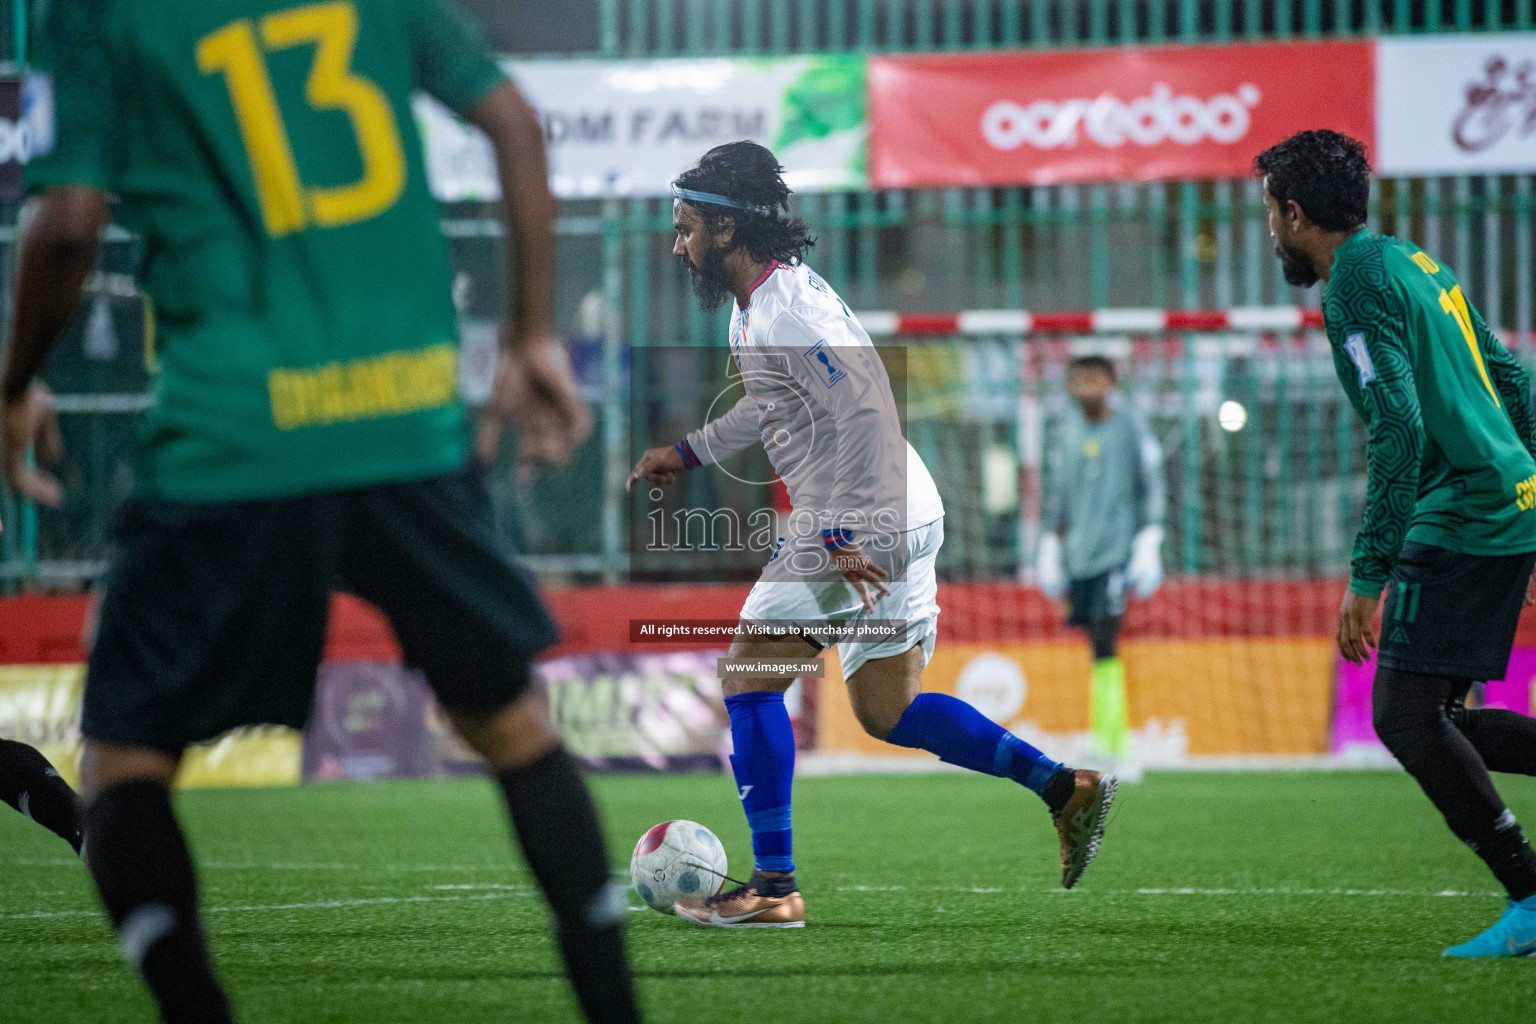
{"x":1059,"y":788}
{"x":1104,"y":638}
{"x":30,"y":784}
{"x":778,"y":885}
{"x":1506,"y":740}
{"x":1411,"y":712}
{"x":1510,"y":858}
{"x":144,"y":873}
{"x":557,"y":827}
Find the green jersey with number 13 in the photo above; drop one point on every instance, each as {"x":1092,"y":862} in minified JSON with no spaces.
{"x":1448,"y":410}
{"x":301,"y":289}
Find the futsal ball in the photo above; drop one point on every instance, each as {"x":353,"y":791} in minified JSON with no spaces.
{"x":677,"y":860}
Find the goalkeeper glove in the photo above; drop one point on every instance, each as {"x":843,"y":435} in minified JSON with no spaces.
{"x":1048,"y":569}
{"x":1146,"y":568}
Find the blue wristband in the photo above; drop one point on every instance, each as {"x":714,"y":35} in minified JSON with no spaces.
{"x":690,"y":460}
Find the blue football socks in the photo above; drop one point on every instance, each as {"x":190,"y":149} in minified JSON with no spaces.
{"x":764,"y":765}
{"x":961,"y":735}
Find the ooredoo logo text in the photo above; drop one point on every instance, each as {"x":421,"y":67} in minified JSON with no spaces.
{"x":1112,"y":122}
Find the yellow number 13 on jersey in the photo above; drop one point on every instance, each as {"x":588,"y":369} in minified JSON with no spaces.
{"x":287,"y":205}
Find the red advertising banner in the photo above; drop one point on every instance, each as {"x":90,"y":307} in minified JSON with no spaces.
{"x":1132,"y":114}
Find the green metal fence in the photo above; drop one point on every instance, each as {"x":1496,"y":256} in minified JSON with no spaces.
{"x":688,"y":27}
{"x":1280,"y":496}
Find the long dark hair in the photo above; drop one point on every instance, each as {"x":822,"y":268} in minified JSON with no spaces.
{"x":749,"y":173}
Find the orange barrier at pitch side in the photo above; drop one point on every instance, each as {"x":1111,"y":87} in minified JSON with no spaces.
{"x":1204,"y":695}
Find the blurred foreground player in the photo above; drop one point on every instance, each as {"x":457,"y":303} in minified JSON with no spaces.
{"x":29,"y":783}
{"x":307,"y":425}
{"x":1450,"y":508}
{"x":863,"y":538}
{"x":33,"y":786}
{"x":1101,"y":530}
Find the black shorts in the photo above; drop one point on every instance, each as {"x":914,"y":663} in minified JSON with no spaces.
{"x":1096,"y":598}
{"x":1451,"y":614}
{"x":214,"y":614}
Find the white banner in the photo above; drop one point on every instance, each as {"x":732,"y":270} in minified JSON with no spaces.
{"x":628,"y":127}
{"x":1456,"y":104}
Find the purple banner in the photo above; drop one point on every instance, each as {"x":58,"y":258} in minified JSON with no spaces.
{"x":1354,"y":737}
{"x":629,"y":711}
{"x":370,"y":721}
{"x":639,"y":711}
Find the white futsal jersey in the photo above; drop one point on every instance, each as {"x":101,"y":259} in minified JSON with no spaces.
{"x":819,"y":401}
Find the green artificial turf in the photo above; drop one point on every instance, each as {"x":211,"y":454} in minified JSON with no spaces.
{"x":1233,"y":898}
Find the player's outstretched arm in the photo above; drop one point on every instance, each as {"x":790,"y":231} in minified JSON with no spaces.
{"x":57,"y":254}
{"x":658,"y":466}
{"x":1510,"y":380}
{"x":724,"y":435}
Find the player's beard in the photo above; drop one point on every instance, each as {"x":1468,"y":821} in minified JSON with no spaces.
{"x":1296,"y":265}
{"x":711,"y":283}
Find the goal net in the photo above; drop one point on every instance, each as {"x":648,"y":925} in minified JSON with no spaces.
{"x":1264,"y":466}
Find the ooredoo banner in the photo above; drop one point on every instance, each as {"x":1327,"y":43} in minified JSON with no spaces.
{"x":1130,"y":114}
{"x":1457,"y":104}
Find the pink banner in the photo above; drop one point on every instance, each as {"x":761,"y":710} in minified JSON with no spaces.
{"x":1355,"y":738}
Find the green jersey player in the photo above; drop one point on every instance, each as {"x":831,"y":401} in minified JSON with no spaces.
{"x":306,"y":426}
{"x":1450,"y":519}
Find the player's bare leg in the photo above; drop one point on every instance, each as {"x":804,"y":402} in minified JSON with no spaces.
{"x":557,"y":828}
{"x":143,"y":870}
{"x":887,"y":698}
{"x":764,"y":766}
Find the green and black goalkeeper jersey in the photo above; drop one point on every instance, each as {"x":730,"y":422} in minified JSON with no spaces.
{"x":267,"y":154}
{"x":1448,"y":410}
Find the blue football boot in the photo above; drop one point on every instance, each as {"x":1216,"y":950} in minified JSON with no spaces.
{"x":1513,"y":935}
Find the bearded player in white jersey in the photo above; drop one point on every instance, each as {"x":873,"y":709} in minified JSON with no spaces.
{"x":857,"y":565}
